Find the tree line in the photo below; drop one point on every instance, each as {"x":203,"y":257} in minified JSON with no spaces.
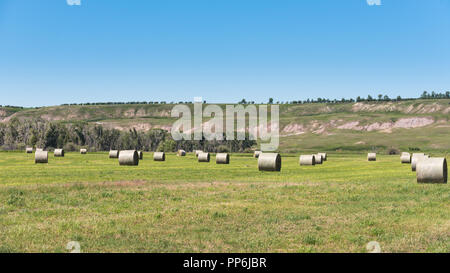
{"x":39,"y":133}
{"x":369,"y":98}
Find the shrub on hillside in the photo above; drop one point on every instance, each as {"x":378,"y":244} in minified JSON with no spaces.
{"x":71,"y":147}
{"x":223,"y":149}
{"x":393,"y":151}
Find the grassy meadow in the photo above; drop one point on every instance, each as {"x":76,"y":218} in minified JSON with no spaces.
{"x":184,"y":206}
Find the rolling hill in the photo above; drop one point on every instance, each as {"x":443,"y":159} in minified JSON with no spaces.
{"x":422,"y":124}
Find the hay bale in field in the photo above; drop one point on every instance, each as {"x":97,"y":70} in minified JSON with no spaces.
{"x":416,"y":157}
{"x":29,"y":150}
{"x":141,"y":155}
{"x":324,"y":156}
{"x":203,"y":157}
{"x":181,"y":153}
{"x":269,"y":162}
{"x":39,"y":149}
{"x":432,"y":170}
{"x":83,"y":151}
{"x":371,"y":157}
{"x":197,"y":152}
{"x":41,"y":157}
{"x":159,"y":156}
{"x":405,"y":158}
{"x":58,"y":153}
{"x":223,"y":158}
{"x":256,"y":154}
{"x":307,"y":160}
{"x":318,"y":158}
{"x":114,"y":154}
{"x":129,"y":158}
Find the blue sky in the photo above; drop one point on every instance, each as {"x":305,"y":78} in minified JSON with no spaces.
{"x":223,"y":50}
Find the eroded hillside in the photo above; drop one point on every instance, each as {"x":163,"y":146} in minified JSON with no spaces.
{"x":417,"y":123}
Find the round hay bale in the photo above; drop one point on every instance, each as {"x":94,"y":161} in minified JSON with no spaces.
{"x":416,"y":158}
{"x":223,"y":158}
{"x":83,"y":151}
{"x":307,"y":160}
{"x":197,"y":152}
{"x":181,"y":153}
{"x":141,"y":155}
{"x":159,"y":156}
{"x":432,"y":170}
{"x":203,"y":157}
{"x":269,"y":162}
{"x":405,"y":158}
{"x":114,"y":154}
{"x":41,"y":157}
{"x":324,"y":156}
{"x":39,"y":149}
{"x":371,"y":157}
{"x":58,"y":153}
{"x":128,"y":158}
{"x":318,"y":159}
{"x":256,"y":154}
{"x":29,"y":150}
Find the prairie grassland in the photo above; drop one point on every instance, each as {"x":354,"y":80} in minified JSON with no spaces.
{"x":184,"y":206}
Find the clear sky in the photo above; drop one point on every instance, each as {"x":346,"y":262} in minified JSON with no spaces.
{"x":223,"y":50}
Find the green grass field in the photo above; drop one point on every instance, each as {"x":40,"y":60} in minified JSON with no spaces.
{"x":184,"y":206}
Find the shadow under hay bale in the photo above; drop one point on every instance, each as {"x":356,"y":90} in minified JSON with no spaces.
{"x":432,"y":170}
{"x":41,"y":157}
{"x":223,"y":158}
{"x":114,"y":154}
{"x":269,"y":162}
{"x":203,"y":157}
{"x":58,"y":153}
{"x":371,"y":157}
{"x":159,"y":156}
{"x":307,"y":160}
{"x":256,"y":154}
{"x":128,"y":158}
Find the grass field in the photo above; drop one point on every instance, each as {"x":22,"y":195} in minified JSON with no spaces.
{"x":184,"y":206}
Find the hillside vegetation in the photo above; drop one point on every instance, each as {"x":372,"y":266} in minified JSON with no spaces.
{"x":422,"y":124}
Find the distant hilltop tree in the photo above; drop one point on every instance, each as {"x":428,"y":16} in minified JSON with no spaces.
{"x":434,"y":95}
